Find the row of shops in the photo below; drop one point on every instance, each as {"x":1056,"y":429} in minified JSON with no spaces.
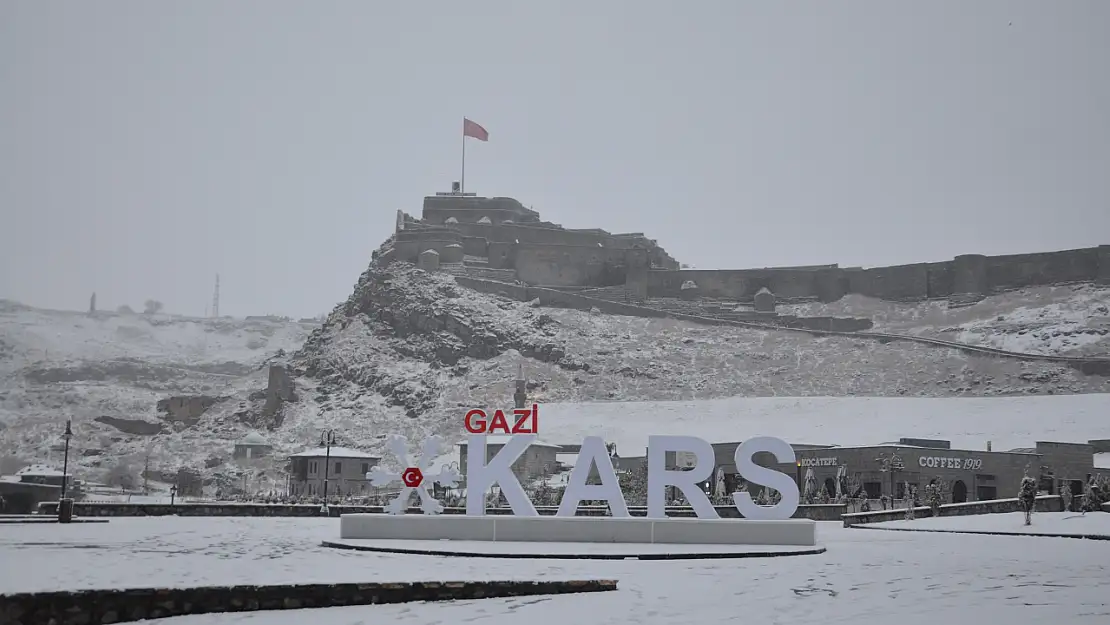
{"x":964,"y":475}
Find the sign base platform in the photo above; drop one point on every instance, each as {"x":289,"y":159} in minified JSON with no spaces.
{"x":546,"y":529}
{"x":570,"y":551}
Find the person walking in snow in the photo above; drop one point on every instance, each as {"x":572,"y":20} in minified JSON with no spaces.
{"x":1027,"y":497}
{"x":932,"y":496}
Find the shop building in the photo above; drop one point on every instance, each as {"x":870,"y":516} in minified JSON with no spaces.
{"x":343,"y":468}
{"x":964,"y":475}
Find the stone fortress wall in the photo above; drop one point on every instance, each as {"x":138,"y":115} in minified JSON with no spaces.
{"x":500,"y":239}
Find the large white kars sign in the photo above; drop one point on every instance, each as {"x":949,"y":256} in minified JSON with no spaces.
{"x":480,"y":476}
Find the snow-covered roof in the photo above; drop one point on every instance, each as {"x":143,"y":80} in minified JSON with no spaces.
{"x":39,"y":470}
{"x":336,"y":452}
{"x":501,"y":439}
{"x":254,"y":438}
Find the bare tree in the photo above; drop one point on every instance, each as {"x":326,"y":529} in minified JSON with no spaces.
{"x":123,"y":475}
{"x":152,"y":306}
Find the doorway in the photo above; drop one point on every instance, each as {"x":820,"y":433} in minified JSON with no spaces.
{"x":959,"y":492}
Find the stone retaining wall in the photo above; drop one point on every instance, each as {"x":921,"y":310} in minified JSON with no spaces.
{"x":1045,"y":503}
{"x":827,"y":512}
{"x":85,"y":607}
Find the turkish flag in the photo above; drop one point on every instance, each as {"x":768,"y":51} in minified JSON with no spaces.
{"x":473,"y":130}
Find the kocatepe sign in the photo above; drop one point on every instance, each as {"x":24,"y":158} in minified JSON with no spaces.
{"x":942,"y":462}
{"x":482,"y":475}
{"x":818,"y":462}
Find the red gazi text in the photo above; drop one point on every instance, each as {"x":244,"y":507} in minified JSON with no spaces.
{"x":523,"y":421}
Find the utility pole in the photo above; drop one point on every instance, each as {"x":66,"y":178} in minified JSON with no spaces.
{"x":146,"y":472}
{"x":216,"y":298}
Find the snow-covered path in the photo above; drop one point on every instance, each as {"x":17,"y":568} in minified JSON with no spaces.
{"x":910,"y":577}
{"x":1073,"y":523}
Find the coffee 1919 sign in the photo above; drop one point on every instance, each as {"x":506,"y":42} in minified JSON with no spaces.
{"x":945,"y":462}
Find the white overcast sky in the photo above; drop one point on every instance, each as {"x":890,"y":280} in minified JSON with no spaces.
{"x":146,"y":146}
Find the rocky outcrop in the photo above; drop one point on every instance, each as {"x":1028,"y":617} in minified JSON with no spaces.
{"x":135,"y":427}
{"x":399,"y":312}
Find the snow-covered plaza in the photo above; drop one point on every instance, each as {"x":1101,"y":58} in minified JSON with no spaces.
{"x":908,"y":577}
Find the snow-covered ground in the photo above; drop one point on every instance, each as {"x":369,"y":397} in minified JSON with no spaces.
{"x":1071,"y":523}
{"x":907,"y":577}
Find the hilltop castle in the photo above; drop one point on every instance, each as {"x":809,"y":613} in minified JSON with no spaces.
{"x":500,"y":239}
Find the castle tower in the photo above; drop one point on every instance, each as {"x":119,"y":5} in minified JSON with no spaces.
{"x":520,"y":397}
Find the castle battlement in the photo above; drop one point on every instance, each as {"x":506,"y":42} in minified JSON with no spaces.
{"x":502,"y":234}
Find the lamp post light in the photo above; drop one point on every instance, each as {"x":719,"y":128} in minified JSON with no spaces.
{"x":327,"y":439}
{"x":65,"y":505}
{"x":173,"y":493}
{"x":65,"y":461}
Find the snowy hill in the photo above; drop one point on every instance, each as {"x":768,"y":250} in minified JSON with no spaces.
{"x":409,"y":352}
{"x":57,"y":365}
{"x":1069,"y":320}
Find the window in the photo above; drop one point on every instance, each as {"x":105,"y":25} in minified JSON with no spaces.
{"x":338,"y":468}
{"x":365,"y":468}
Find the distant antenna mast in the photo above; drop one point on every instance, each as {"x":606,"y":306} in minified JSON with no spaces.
{"x":216,"y":298}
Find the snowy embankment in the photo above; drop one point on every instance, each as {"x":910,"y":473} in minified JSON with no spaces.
{"x":1059,"y":523}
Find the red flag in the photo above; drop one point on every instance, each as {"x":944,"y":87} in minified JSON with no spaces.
{"x":473,"y":130}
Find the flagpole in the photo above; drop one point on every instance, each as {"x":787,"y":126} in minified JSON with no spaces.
{"x":462,"y":178}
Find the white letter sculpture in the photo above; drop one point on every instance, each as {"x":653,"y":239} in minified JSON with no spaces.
{"x":686,"y":481}
{"x":745,"y":466}
{"x":593,"y":453}
{"x":398,"y":445}
{"x":481,"y":476}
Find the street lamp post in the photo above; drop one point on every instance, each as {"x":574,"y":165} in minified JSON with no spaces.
{"x":173,"y":493}
{"x":891,"y":464}
{"x":65,"y":505}
{"x":327,"y":439}
{"x":65,"y":462}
